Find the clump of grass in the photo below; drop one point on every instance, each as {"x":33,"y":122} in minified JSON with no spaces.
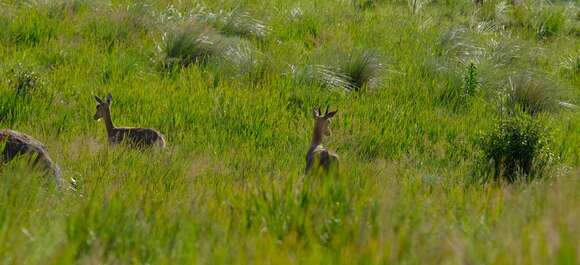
{"x":361,"y":5}
{"x":531,"y":93}
{"x":23,"y":80}
{"x":122,"y":23}
{"x":457,"y":45}
{"x":188,"y":43}
{"x":549,"y":22}
{"x":363,"y":69}
{"x":30,"y":28}
{"x":458,"y":95}
{"x":62,"y":8}
{"x":321,"y":75}
{"x":238,"y":58}
{"x":170,"y":15}
{"x":570,"y":65}
{"x":232,"y":23}
{"x":516,"y":148}
{"x":417,"y":6}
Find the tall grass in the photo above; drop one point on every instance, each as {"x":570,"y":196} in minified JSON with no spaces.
{"x":229,"y":188}
{"x":188,"y":43}
{"x":532,"y":93}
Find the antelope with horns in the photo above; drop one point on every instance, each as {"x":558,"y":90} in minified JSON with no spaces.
{"x":318,"y":157}
{"x":14,"y":144}
{"x":136,"y":137}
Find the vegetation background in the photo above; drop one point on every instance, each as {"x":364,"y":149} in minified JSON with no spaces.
{"x":418,"y":85}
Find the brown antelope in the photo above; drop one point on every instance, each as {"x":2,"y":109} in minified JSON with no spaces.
{"x":14,"y":144}
{"x":136,"y":137}
{"x":318,"y":157}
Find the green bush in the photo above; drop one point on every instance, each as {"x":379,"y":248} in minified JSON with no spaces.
{"x":516,"y":148}
{"x":23,"y":80}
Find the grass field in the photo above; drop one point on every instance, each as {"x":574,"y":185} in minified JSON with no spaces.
{"x":419,"y":85}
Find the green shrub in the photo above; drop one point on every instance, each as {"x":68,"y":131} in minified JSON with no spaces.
{"x":471,"y":81}
{"x":23,"y":80}
{"x":516,"y":148}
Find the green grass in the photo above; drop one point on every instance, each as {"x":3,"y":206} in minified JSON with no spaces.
{"x":230,"y":188}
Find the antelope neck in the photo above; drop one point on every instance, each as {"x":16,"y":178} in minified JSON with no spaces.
{"x":316,"y":136}
{"x":109,"y":122}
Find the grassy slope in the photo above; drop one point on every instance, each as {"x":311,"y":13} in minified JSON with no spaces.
{"x":229,"y":188}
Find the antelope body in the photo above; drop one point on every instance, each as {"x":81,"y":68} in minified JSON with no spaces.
{"x":318,"y":157}
{"x":136,"y":137}
{"x":15,"y":144}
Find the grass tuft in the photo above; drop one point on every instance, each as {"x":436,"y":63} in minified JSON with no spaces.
{"x":531,"y":93}
{"x":188,"y":43}
{"x":363,"y":68}
{"x":323,"y":76}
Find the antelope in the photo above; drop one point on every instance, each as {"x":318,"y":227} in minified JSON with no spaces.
{"x":136,"y":137}
{"x":318,"y":157}
{"x":14,"y":144}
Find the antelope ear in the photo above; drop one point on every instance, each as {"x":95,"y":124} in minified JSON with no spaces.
{"x":315,"y":113}
{"x":109,"y":98}
{"x":330,"y":114}
{"x":99,"y":100}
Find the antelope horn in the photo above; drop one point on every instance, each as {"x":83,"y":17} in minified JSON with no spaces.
{"x":326,"y":112}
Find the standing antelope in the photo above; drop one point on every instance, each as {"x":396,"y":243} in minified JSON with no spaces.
{"x":136,"y":137}
{"x":14,"y":144}
{"x":318,"y":157}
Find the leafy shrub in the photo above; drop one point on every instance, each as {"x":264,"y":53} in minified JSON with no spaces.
{"x":23,"y":80}
{"x":516,"y":148}
{"x":470,"y":80}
